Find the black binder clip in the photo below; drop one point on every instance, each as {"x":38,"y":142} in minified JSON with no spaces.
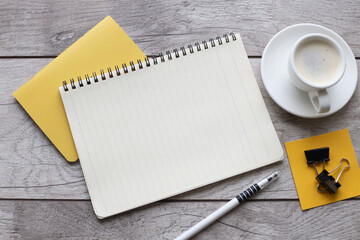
{"x":327,"y":182}
{"x":318,"y":155}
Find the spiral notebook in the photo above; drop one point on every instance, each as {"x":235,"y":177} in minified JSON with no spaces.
{"x":163,"y":126}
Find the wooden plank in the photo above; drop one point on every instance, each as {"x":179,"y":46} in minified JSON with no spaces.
{"x":166,"y":220}
{"x":16,"y":72}
{"x":32,"y":168}
{"x":41,"y":28}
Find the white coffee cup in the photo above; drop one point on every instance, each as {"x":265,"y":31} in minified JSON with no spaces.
{"x":316,"y":63}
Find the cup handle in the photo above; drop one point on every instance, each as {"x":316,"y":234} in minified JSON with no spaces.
{"x":320,"y":100}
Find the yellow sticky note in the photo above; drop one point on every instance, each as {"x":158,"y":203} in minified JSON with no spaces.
{"x":304,"y":175}
{"x":106,"y":45}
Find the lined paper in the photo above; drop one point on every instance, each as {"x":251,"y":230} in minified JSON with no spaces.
{"x":170,"y":128}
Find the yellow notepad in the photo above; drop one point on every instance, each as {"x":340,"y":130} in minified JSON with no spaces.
{"x":106,"y":45}
{"x":340,"y":146}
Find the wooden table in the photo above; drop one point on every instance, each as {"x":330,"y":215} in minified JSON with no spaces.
{"x":42,"y":196}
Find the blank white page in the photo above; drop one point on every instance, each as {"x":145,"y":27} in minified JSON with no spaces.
{"x":171,"y":127}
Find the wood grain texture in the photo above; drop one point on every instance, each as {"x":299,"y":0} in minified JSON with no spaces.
{"x":42,"y":28}
{"x":32,"y":168}
{"x":166,"y":220}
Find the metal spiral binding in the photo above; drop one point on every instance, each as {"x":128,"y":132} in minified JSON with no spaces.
{"x":212,"y":42}
{"x":110,"y":72}
{"x":139,"y":64}
{"x":87,"y":78}
{"x":102,"y":73}
{"x":132,"y":66}
{"x":72,"y":83}
{"x":168,"y":53}
{"x":183,"y":51}
{"x":176,"y":53}
{"x":162,"y":57}
{"x":80,"y":80}
{"x":205,"y":44}
{"x":125,"y":68}
{"x":146,"y":63}
{"x":117,"y":70}
{"x":155,"y":60}
{"x":197,"y":45}
{"x":191,"y":48}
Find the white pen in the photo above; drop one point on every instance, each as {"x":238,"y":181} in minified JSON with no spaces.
{"x":227,"y":207}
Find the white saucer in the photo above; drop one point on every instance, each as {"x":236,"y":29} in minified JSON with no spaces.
{"x":274,"y":65}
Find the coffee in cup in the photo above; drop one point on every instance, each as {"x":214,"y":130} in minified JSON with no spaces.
{"x":317,"y":62}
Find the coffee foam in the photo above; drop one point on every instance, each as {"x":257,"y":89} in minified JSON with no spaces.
{"x":317,"y":61}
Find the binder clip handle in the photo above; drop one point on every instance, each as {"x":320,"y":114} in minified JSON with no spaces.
{"x":346,"y":167}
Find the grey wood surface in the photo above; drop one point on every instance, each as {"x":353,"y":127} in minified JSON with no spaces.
{"x":42,"y":196}
{"x":46,"y":27}
{"x":165,"y":220}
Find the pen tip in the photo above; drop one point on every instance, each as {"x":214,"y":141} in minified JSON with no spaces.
{"x":273,"y":176}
